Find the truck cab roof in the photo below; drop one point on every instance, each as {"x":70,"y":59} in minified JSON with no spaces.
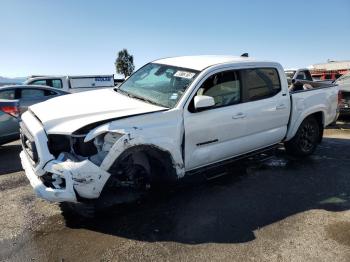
{"x":203,"y":61}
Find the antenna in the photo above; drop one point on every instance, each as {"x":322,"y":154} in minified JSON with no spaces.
{"x":245,"y":55}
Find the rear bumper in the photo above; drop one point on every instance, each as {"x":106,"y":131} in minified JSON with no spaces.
{"x":344,"y":111}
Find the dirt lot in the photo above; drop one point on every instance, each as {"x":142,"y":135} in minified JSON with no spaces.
{"x":278,"y":209}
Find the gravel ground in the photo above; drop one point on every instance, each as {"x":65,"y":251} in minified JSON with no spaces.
{"x":278,"y":209}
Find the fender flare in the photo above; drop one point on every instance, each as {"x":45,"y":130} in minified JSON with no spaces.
{"x":293,"y":129}
{"x":146,"y":155}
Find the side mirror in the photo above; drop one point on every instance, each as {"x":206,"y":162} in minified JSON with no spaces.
{"x":203,"y":102}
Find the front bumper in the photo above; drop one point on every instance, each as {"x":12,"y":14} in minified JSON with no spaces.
{"x":70,"y":180}
{"x":81,"y":179}
{"x":47,"y":193}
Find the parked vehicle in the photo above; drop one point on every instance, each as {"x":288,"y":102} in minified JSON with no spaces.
{"x":301,"y":79}
{"x":73,"y":84}
{"x":344,"y":86}
{"x":173,"y":118}
{"x":15,"y":100}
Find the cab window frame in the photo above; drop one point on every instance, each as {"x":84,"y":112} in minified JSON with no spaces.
{"x":190,"y":106}
{"x":246,"y":98}
{"x":50,"y":83}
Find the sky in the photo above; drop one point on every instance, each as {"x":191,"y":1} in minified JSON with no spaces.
{"x":83,"y":37}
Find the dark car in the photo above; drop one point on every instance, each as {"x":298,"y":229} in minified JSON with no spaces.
{"x":16,"y":99}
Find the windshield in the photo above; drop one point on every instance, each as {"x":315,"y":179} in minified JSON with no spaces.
{"x":159,"y":84}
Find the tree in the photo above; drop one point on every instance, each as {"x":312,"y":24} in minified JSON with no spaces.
{"x":124,"y":64}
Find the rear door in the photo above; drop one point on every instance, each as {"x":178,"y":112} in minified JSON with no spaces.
{"x":266,"y":107}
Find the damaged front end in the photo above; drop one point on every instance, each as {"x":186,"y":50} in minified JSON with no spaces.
{"x":105,"y":163}
{"x":76,"y":171}
{"x":67,"y":168}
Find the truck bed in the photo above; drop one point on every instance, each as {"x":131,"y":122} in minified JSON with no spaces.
{"x":309,"y":101}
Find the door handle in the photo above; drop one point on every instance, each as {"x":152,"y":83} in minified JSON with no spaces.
{"x":280,"y":106}
{"x":239,"y":115}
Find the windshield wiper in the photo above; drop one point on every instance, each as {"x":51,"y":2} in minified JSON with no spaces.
{"x":145,"y":100}
{"x":137,"y":97}
{"x":121,"y":91}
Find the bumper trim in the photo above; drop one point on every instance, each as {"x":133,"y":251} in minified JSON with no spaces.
{"x":50,"y":194}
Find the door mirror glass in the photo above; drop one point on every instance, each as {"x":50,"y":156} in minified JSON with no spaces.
{"x":203,"y":102}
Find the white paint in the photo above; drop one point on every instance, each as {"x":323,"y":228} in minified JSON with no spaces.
{"x":232,"y":130}
{"x":64,"y":116}
{"x":201,"y":62}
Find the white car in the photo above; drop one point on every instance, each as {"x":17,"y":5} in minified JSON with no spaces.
{"x":172,"y":118}
{"x":73,"y":84}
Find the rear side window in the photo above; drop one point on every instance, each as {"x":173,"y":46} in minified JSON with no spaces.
{"x":39,"y":82}
{"x":50,"y":93}
{"x":260,"y":83}
{"x":7,"y":94}
{"x":301,"y":75}
{"x":56,"y":83}
{"x":32,"y":93}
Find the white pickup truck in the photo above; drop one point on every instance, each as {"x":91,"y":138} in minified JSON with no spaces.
{"x":172,"y":118}
{"x":73,"y":84}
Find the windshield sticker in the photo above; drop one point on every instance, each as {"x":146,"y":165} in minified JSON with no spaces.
{"x":173,"y":96}
{"x":184,"y":74}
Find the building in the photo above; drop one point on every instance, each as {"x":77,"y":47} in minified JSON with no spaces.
{"x":330,"y":70}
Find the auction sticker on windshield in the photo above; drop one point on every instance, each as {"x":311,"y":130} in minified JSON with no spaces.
{"x":184,"y":74}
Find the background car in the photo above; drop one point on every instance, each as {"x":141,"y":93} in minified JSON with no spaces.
{"x":344,"y":86}
{"x":21,"y":96}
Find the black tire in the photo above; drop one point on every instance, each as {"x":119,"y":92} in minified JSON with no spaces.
{"x":305,"y":141}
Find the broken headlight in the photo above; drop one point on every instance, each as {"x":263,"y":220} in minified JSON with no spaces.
{"x":103,"y":143}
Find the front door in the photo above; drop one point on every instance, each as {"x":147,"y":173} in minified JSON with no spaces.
{"x":213,"y":134}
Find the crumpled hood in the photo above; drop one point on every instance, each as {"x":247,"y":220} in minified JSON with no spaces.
{"x":68,"y":113}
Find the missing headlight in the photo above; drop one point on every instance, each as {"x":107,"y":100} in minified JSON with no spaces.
{"x":103,"y":144}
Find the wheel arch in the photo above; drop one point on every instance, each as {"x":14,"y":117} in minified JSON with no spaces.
{"x":157,"y":161}
{"x":319,"y":115}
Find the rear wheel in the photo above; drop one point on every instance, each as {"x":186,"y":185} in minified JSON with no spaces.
{"x":306,"y":139}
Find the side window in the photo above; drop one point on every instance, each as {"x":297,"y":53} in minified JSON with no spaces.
{"x":56,"y":83}
{"x":32,"y":93}
{"x":39,"y":82}
{"x":260,"y":83}
{"x":224,"y":87}
{"x":50,"y":93}
{"x":301,"y":75}
{"x":7,"y":94}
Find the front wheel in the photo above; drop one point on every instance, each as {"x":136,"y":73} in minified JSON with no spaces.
{"x":305,"y":141}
